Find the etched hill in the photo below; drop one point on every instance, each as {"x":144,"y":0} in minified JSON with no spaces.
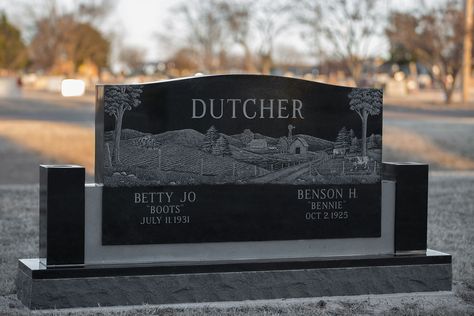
{"x":185,"y":137}
{"x":270,"y":140}
{"x":126,"y":134}
{"x":131,"y":133}
{"x":233,"y":140}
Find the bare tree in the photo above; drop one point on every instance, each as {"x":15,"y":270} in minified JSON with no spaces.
{"x":185,"y":59}
{"x":205,"y":32}
{"x":62,"y":39}
{"x":214,"y":27}
{"x":286,"y":54}
{"x":401,"y":32}
{"x":238,"y":21}
{"x":12,"y":49}
{"x":343,"y":28}
{"x":62,"y":35}
{"x":133,"y":58}
{"x":93,"y":11}
{"x":433,"y":37}
{"x":271,"y":21}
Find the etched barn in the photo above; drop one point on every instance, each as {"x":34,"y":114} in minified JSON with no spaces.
{"x":298,"y":146}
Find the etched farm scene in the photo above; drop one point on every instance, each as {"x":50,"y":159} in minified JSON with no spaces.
{"x":188,"y":157}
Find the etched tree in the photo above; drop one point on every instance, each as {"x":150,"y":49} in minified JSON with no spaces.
{"x":365,"y":102}
{"x":354,"y":146}
{"x":117,"y":100}
{"x":210,"y":139}
{"x":217,"y":148}
{"x":371,"y":142}
{"x":350,"y":136}
{"x":225,"y":147}
{"x":221,"y":147}
{"x":283,"y":144}
{"x":341,"y":140}
{"x":247,"y":136}
{"x":378,"y":141}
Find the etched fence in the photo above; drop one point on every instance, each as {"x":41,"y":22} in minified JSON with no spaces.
{"x":345,"y":166}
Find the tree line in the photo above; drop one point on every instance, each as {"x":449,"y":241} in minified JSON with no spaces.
{"x":60,"y":40}
{"x":213,"y":36}
{"x":343,"y":34}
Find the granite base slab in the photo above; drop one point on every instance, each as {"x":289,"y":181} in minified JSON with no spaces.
{"x":86,"y":286}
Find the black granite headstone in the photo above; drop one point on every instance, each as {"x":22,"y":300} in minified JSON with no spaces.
{"x":238,"y":158}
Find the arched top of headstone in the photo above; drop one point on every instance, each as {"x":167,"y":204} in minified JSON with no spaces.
{"x":239,"y":78}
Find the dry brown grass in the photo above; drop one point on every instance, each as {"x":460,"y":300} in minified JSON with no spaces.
{"x":430,"y":99}
{"x":398,"y":139}
{"x":70,"y":143}
{"x":65,"y":143}
{"x":428,"y":117}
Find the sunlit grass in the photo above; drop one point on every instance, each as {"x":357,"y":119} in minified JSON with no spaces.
{"x":62,"y":142}
{"x":70,"y":143}
{"x":413,"y":144}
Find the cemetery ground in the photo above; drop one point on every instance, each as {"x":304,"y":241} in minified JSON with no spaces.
{"x":44,"y":128}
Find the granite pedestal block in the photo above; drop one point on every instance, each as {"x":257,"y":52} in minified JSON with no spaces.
{"x":61,"y":214}
{"x":411,"y":204}
{"x":62,"y":287}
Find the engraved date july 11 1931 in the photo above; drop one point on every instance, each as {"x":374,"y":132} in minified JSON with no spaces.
{"x":164,"y":207}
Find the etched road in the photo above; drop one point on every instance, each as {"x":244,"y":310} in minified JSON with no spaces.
{"x":286,"y":175}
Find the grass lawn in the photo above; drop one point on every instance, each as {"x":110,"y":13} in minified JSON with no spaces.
{"x":450,"y":229}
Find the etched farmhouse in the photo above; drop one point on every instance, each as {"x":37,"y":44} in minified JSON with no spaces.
{"x":298,"y":146}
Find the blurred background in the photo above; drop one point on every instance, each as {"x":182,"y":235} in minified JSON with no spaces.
{"x":419,"y":52}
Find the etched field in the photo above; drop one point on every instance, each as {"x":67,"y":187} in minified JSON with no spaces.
{"x":189,"y":157}
{"x":184,"y":164}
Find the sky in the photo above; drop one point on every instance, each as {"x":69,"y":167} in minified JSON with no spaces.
{"x":142,"y":20}
{"x":137,"y":22}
